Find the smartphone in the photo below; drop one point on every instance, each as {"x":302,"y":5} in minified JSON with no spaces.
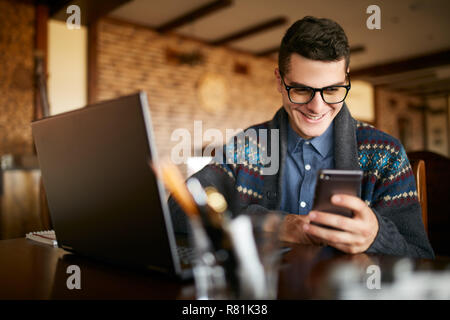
{"x":331,"y":182}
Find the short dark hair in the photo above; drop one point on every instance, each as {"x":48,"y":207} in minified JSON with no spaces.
{"x":315,"y":39}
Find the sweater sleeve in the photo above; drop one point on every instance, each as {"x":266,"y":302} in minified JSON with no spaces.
{"x":404,"y":239}
{"x":395,"y":204}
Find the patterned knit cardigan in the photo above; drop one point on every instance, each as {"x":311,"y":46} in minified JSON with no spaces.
{"x":388,"y":185}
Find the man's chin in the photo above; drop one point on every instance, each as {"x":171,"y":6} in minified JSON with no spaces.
{"x":308,"y":130}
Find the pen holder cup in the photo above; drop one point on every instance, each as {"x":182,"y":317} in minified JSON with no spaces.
{"x":247,"y":265}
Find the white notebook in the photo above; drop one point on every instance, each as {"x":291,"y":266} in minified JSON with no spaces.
{"x":47,"y":237}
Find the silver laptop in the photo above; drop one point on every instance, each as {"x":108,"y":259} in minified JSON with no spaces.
{"x":104,"y":199}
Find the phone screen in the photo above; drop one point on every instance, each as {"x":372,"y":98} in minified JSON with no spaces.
{"x":331,"y":182}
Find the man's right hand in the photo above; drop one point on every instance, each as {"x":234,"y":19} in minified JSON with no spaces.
{"x":292,"y":230}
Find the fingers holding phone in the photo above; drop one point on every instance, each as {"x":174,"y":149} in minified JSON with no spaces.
{"x":339,"y":217}
{"x":292,"y":230}
{"x":351,"y":235}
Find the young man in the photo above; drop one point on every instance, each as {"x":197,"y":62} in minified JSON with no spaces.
{"x":316,"y":131}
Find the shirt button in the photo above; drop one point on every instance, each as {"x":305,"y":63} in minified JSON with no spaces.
{"x":308,"y":167}
{"x":306,"y":142}
{"x":303,"y":204}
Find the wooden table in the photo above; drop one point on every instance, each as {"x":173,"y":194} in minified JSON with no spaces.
{"x":30,"y":270}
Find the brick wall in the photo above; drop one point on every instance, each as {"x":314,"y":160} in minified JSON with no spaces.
{"x":134,"y":58}
{"x":131,"y":58}
{"x":16,"y":76}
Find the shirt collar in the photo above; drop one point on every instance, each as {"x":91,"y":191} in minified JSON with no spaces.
{"x":323,"y":143}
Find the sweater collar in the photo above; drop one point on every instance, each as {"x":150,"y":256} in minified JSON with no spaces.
{"x":345,"y":150}
{"x":345,"y":145}
{"x":344,"y":138}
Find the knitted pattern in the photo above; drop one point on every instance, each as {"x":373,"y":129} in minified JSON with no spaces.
{"x":388,"y":179}
{"x":388,"y":187}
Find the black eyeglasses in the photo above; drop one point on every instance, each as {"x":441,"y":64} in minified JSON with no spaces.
{"x":304,"y":94}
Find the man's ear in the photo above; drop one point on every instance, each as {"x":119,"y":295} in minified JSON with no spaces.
{"x":278,"y":77}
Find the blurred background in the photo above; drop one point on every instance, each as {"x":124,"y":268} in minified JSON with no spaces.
{"x":214,"y":61}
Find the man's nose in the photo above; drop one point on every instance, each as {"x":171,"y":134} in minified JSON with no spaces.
{"x":316,"y":104}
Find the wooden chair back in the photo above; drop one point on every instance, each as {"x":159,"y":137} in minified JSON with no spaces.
{"x":418,"y":167}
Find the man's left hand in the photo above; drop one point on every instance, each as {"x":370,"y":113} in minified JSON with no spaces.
{"x":356,"y":234}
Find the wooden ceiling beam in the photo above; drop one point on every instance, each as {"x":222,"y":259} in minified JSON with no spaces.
{"x":432,"y":93}
{"x":429,"y":91}
{"x":260,"y":27}
{"x":357,"y":49}
{"x":194,"y":15}
{"x":414,"y":82}
{"x":268,"y":52}
{"x":437,"y":86}
{"x":420,"y":62}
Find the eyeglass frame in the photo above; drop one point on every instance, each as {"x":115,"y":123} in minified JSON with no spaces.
{"x":314,"y":90}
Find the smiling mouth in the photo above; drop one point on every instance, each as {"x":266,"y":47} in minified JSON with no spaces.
{"x":313,"y":117}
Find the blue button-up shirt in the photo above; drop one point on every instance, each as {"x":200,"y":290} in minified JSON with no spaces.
{"x":304,"y":159}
